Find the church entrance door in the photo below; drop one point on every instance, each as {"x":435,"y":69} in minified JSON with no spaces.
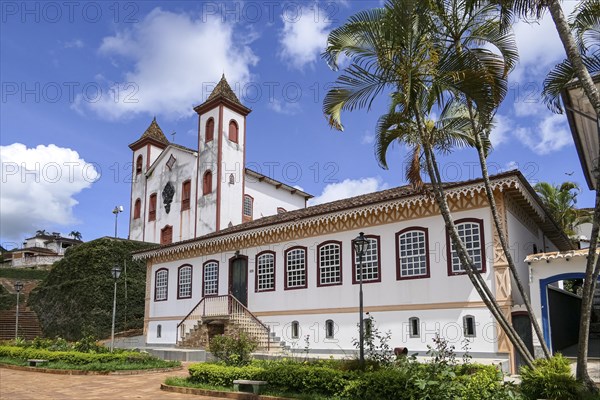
{"x":238,"y":279}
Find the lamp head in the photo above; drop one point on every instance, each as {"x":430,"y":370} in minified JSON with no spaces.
{"x":116,"y":272}
{"x":361,"y":244}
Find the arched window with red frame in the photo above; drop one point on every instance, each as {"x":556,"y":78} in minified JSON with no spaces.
{"x":139,"y":164}
{"x":233,"y":131}
{"x":207,"y":183}
{"x":166,"y":235}
{"x":248,"y":208}
{"x":210,"y":130}
{"x":137,"y":208}
{"x":186,"y":191}
{"x":152,"y":208}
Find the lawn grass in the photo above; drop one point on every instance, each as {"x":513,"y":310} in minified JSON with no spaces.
{"x":98,"y":366}
{"x":186,"y":382}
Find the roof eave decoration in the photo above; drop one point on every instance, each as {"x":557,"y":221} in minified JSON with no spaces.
{"x":512,"y":181}
{"x":558,"y":255}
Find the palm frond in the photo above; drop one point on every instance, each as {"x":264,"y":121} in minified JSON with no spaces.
{"x":563,"y":73}
{"x":585,"y":22}
{"x":356,"y":88}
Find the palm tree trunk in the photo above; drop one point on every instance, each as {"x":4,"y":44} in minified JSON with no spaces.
{"x":589,"y":286}
{"x":503,"y":241}
{"x":566,"y":37}
{"x":478,"y":283}
{"x":592,"y":269}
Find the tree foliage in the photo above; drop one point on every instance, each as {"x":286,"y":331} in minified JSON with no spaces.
{"x":76,"y":298}
{"x":561,"y":200}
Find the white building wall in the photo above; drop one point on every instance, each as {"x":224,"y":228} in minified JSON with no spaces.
{"x":182,"y":223}
{"x":521,"y":242}
{"x":206,"y":213}
{"x":138,"y":186}
{"x":267,"y":198}
{"x":36,"y":242}
{"x":423,"y":298}
{"x":445,"y":322}
{"x":543,"y":270}
{"x":232,"y":162}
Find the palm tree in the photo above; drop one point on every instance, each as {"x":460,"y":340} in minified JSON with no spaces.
{"x":40,"y":232}
{"x":400,"y":49}
{"x":466,"y":36}
{"x":76,"y":235}
{"x":580,"y":41}
{"x":560,"y":200}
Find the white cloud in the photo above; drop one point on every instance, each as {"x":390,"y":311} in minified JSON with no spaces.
{"x":348,"y":188}
{"x":177,"y":58}
{"x":285,"y":108}
{"x":502,"y":126}
{"x":368,"y":138}
{"x":38,"y":187}
{"x":304,"y":37}
{"x":511,"y":165}
{"x":530,"y":107}
{"x":551,"y":134}
{"x":539,"y":46}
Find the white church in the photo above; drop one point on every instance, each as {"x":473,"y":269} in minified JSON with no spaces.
{"x":237,"y":250}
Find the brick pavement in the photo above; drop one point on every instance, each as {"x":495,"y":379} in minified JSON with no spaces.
{"x":17,"y":385}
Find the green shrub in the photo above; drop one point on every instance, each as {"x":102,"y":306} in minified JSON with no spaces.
{"x":73,"y":357}
{"x":385,"y":383}
{"x":233,"y":349}
{"x":482,"y":382}
{"x":222,"y":375}
{"x":331,"y":378}
{"x":24,"y":273}
{"x":305,"y":378}
{"x":89,"y":344}
{"x":76,"y":297}
{"x":550,"y":379}
{"x":7,"y":300}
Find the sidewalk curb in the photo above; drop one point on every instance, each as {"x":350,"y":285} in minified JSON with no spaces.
{"x":80,"y":372}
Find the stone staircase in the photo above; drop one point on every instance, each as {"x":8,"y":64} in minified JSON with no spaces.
{"x":29,"y":325}
{"x":224,"y":315}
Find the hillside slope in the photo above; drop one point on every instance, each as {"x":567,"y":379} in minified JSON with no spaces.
{"x":77,"y":296}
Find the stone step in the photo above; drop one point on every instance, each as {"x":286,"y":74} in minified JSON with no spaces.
{"x":29,"y":325}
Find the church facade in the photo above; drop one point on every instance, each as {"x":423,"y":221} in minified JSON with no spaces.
{"x":179,"y":193}
{"x":243,"y":251}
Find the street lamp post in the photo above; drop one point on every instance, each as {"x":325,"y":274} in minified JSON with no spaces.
{"x":361,"y":244}
{"x":18,"y":288}
{"x":116,"y":211}
{"x":116,"y":272}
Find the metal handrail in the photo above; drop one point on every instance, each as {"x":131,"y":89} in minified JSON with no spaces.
{"x":231,"y":300}
{"x":198,"y":305}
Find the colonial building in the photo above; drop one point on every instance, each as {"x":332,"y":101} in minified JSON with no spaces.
{"x":245,"y":253}
{"x":41,"y":249}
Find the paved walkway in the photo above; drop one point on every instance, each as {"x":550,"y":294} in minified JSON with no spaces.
{"x":17,"y":385}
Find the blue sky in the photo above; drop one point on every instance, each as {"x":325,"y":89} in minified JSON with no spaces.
{"x":82,"y":80}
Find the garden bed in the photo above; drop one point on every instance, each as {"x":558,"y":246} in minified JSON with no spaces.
{"x":85,"y":356}
{"x":330,"y":379}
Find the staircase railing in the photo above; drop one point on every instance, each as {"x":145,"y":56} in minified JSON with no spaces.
{"x":225,"y":306}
